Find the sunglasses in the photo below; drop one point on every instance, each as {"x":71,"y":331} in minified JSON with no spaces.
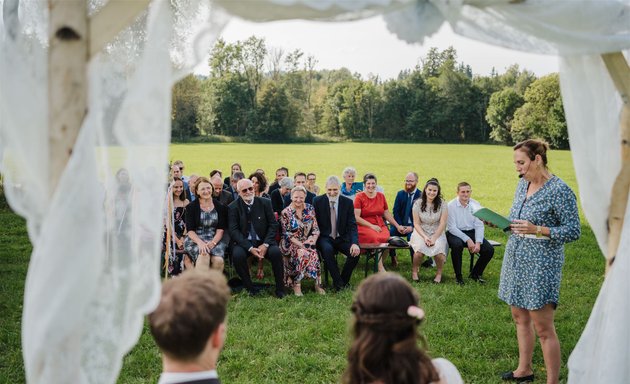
{"x":250,"y":189}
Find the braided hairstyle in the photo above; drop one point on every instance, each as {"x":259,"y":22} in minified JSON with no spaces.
{"x":385,"y":338}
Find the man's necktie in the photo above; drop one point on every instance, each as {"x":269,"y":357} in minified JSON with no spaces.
{"x":250,"y":223}
{"x":333,"y":220}
{"x":408,"y":209}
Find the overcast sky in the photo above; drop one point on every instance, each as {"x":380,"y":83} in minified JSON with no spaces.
{"x":366,"y":46}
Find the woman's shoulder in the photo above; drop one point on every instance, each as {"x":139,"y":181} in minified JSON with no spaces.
{"x":447,"y":371}
{"x":194,"y":204}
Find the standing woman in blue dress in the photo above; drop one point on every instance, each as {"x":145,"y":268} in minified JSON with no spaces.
{"x":544,"y":216}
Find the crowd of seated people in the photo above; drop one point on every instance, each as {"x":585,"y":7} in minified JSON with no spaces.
{"x":246,"y":220}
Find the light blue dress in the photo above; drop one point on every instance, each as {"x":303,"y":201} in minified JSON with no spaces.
{"x":532,"y":268}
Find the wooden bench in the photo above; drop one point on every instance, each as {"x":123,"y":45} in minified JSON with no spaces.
{"x":375,"y":251}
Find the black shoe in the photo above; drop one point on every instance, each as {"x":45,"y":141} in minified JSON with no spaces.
{"x":280,"y":294}
{"x":428,"y":263}
{"x":460,"y":281}
{"x":254,"y":292}
{"x":509,"y":376}
{"x":478,"y":279}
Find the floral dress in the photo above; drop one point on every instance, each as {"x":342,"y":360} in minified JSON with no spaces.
{"x":206,"y":232}
{"x":532,"y":267}
{"x":429,"y":222}
{"x":175,"y":255}
{"x":301,"y":262}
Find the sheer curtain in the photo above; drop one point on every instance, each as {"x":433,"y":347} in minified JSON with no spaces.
{"x":94,"y":269}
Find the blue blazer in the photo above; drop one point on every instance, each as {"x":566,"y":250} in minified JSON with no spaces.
{"x":400,"y":205}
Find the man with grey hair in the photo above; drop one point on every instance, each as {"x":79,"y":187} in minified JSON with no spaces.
{"x":220,"y":194}
{"x":337,"y":231}
{"x":236,"y":176}
{"x":277,"y":197}
{"x":253,"y":228}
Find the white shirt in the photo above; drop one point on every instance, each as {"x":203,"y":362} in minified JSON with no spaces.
{"x":178,"y":377}
{"x":460,"y":218}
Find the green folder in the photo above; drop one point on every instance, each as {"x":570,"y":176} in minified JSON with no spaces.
{"x":490,"y":216}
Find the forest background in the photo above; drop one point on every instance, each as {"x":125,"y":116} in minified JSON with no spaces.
{"x":254,"y":93}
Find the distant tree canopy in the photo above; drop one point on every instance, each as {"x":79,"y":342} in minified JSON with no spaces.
{"x":272,"y":95}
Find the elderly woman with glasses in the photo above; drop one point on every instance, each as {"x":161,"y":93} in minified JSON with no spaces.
{"x":299,"y":235}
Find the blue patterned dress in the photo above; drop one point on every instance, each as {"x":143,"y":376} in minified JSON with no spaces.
{"x":532,"y":268}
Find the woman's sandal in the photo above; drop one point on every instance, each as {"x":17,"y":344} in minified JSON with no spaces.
{"x":509,"y":376}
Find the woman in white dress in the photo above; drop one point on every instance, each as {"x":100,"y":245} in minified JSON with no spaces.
{"x":385,"y":348}
{"x":429,"y":225}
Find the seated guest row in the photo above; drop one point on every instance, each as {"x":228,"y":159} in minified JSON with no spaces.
{"x":249,"y":228}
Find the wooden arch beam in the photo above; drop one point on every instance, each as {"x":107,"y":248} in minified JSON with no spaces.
{"x":73,"y":39}
{"x":620,"y":74}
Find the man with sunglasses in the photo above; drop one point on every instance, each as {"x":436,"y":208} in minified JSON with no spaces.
{"x":253,"y":227}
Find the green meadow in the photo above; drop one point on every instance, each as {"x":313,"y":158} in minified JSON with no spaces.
{"x":305,"y":339}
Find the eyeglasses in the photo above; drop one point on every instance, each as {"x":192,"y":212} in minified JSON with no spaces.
{"x":250,"y":189}
{"x":410,"y":181}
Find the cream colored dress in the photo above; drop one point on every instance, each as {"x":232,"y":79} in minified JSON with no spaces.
{"x":429,"y":222}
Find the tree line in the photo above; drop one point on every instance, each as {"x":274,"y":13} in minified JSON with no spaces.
{"x":254,"y":92}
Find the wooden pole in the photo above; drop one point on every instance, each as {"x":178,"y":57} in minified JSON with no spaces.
{"x":620,"y":73}
{"x":70,"y":49}
{"x":67,"y":81}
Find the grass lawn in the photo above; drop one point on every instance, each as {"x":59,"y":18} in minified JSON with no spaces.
{"x":305,"y":339}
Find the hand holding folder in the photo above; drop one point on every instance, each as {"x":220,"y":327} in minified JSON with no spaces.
{"x":492,"y":217}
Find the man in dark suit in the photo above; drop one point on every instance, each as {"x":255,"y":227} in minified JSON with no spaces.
{"x":402,"y":210}
{"x":337,"y":234}
{"x":299,"y":179}
{"x":236,"y":176}
{"x":253,"y":228}
{"x":190,"y":349}
{"x":224,"y":197}
{"x":279,"y":196}
{"x":280,"y":173}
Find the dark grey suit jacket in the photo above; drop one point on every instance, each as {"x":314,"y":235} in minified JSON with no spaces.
{"x":262,"y":217}
{"x":346,"y":222}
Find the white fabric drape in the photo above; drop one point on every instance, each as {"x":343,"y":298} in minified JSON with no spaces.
{"x":94,"y":271}
{"x":94,"y":268}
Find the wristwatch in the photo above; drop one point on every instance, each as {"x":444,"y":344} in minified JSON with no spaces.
{"x":538,"y":231}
